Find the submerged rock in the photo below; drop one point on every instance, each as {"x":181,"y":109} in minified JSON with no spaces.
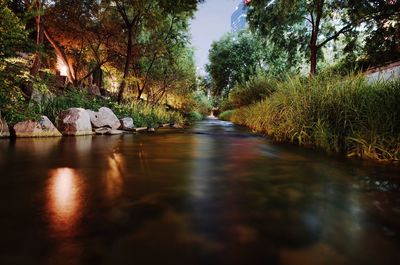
{"x":127,"y":124}
{"x":105,"y":117}
{"x":42,"y":128}
{"x":4,"y":131}
{"x":74,"y":121}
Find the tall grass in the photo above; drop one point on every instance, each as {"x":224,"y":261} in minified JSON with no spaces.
{"x":346,"y":115}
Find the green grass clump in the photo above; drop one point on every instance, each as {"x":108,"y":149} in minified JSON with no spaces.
{"x":337,"y":114}
{"x":226,"y":115}
{"x":252,"y":91}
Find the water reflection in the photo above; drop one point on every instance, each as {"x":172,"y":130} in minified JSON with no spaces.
{"x":64,"y":200}
{"x":114,"y":175}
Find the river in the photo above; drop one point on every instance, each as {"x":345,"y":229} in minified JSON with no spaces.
{"x":211,"y":194}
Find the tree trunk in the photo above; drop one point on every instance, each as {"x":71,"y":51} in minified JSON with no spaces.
{"x":319,"y":5}
{"x":127,"y":65}
{"x":313,"y":56}
{"x":59,"y":51}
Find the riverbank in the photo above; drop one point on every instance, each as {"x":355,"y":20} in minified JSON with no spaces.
{"x":338,"y":115}
{"x":77,"y":112}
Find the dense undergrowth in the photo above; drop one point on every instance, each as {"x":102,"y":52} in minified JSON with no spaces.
{"x":15,"y":108}
{"x":337,"y":114}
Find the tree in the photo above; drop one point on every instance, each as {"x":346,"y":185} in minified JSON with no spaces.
{"x":381,"y":26}
{"x":235,"y":58}
{"x":143,"y":23}
{"x":13,"y":36}
{"x":300,"y":25}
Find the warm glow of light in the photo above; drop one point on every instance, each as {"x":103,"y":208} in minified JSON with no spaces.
{"x":64,"y":197}
{"x":114,"y":175}
{"x":62,"y":67}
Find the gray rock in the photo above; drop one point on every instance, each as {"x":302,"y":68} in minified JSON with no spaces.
{"x":105,"y":117}
{"x":107,"y":131}
{"x":151,"y":130}
{"x":42,"y":128}
{"x":74,"y":121}
{"x":4,"y":131}
{"x":102,"y":131}
{"x":127,"y":124}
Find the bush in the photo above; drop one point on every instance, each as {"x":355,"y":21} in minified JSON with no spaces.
{"x":333,"y":113}
{"x":194,"y":116}
{"x":226,"y":115}
{"x":252,"y":91}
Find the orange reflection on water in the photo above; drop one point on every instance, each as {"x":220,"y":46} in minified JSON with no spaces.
{"x":64,"y":200}
{"x":114,"y":175}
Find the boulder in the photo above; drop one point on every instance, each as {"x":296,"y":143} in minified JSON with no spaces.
{"x":74,"y":121}
{"x":105,"y":117}
{"x":127,"y":124}
{"x":42,"y":128}
{"x":4,"y":131}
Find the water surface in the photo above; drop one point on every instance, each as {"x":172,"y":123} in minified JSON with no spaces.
{"x":213,"y":194}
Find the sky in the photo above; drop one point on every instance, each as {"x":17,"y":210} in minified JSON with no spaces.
{"x":212,"y":20}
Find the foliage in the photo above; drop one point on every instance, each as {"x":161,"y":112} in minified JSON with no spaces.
{"x":143,"y":115}
{"x":305,"y":27}
{"x":381,"y":25}
{"x":333,"y":113}
{"x":226,"y":115}
{"x":252,"y":91}
{"x":13,"y":36}
{"x":235,"y":58}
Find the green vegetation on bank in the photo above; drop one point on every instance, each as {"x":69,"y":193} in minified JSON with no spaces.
{"x":346,"y":115}
{"x":133,"y":57}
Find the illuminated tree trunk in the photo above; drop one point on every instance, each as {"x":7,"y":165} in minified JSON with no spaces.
{"x":61,"y":54}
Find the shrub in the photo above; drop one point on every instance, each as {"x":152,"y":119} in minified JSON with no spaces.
{"x":226,"y":115}
{"x":252,"y":91}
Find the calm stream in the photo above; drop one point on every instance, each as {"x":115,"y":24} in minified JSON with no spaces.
{"x":212,"y":194}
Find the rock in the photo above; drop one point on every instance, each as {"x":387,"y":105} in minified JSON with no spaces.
{"x":151,"y":130}
{"x":115,"y":132}
{"x":127,"y":124}
{"x":4,"y":131}
{"x":177,"y":126}
{"x":94,"y":90}
{"x":107,"y":131}
{"x":42,"y":128}
{"x":102,"y":131}
{"x":74,"y":121}
{"x":105,"y":117}
{"x":140,"y":129}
